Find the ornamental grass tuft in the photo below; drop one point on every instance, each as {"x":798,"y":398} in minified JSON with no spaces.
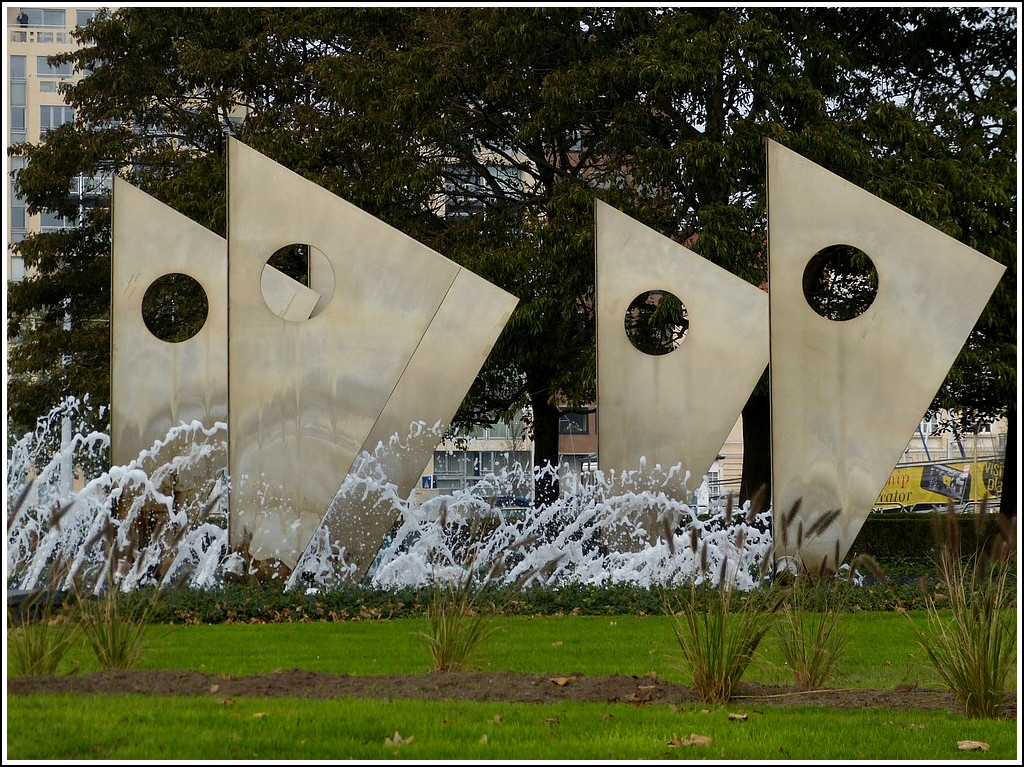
{"x":970,"y":635}
{"x":718,"y":633}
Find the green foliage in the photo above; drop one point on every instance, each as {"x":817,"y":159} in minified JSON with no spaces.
{"x":970,"y":638}
{"x":813,"y":641}
{"x":38,"y":639}
{"x":719,"y":632}
{"x":718,"y":642}
{"x":456,"y":625}
{"x":908,"y":536}
{"x":114,"y":630}
{"x":661,"y":112}
{"x":269,"y":603}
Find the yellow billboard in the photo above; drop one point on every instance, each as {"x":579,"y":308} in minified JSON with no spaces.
{"x":922,"y":486}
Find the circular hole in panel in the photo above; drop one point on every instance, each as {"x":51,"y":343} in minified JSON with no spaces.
{"x":656,"y":322}
{"x":840,"y":282}
{"x":175,"y":307}
{"x":297,"y":282}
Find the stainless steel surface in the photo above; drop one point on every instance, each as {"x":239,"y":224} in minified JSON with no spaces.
{"x":676,"y":408}
{"x":285,"y":297}
{"x":447,"y":359}
{"x":155,"y":384}
{"x":847,"y":396}
{"x":305,"y":395}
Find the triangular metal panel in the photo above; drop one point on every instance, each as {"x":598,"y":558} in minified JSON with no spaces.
{"x":305,"y":396}
{"x":847,"y":396}
{"x":676,"y":408}
{"x":156,"y":385}
{"x":433,"y":385}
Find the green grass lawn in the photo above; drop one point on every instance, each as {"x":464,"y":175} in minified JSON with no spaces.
{"x":882,"y":653}
{"x":155,"y":728}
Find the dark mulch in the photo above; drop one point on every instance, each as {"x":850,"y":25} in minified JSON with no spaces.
{"x":472,"y":685}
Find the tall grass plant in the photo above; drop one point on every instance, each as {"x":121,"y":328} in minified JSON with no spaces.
{"x":39,"y":636}
{"x":970,"y":636}
{"x":812,"y":636}
{"x":718,"y":636}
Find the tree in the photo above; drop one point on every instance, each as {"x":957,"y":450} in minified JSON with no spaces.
{"x":486,"y":134}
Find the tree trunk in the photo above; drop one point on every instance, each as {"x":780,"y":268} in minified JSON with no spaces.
{"x":545,"y":449}
{"x":757,"y":444}
{"x":1008,"y":501}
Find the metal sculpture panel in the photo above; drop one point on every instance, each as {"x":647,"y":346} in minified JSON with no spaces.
{"x":847,"y":395}
{"x":156,"y":384}
{"x":677,"y":408}
{"x":440,"y":372}
{"x":305,"y":396}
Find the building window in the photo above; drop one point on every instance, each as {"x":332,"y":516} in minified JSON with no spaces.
{"x":84,"y":17}
{"x":45,"y":69}
{"x":18,"y":94}
{"x":47,"y":86}
{"x":17,"y":269}
{"x":573,"y":423}
{"x":41,"y":17}
{"x":714,"y":479}
{"x":51,"y":117}
{"x":17,"y":125}
{"x":52,"y":221}
{"x":17,"y":68}
{"x":463,"y":469}
{"x":17,"y":216}
{"x":468,"y":192}
{"x":91,"y":186}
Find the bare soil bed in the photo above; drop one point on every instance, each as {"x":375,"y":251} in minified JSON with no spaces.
{"x":477,"y":686}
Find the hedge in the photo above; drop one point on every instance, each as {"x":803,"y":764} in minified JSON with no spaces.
{"x":911,"y":535}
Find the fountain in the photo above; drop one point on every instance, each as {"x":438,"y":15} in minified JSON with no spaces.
{"x":157,"y":531}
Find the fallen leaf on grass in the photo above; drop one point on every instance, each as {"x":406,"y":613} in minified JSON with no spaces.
{"x":693,"y":740}
{"x":561,"y":681}
{"x":483,"y":739}
{"x":737,"y":717}
{"x":398,"y":740}
{"x":497,"y":718}
{"x":214,"y":688}
{"x":557,"y":644}
{"x":225,"y":701}
{"x":259,"y":715}
{"x":550,"y":720}
{"x":605,"y":717}
{"x":972,"y":745}
{"x":636,"y":700}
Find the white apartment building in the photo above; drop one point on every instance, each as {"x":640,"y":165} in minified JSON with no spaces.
{"x":34,"y":101}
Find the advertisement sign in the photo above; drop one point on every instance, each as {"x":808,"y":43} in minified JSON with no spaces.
{"x":922,"y":486}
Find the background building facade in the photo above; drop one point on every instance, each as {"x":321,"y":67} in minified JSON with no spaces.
{"x":36,"y":105}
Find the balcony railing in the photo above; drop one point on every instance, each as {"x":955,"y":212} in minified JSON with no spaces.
{"x":40,"y":36}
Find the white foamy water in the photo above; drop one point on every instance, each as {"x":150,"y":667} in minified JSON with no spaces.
{"x":161,"y":519}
